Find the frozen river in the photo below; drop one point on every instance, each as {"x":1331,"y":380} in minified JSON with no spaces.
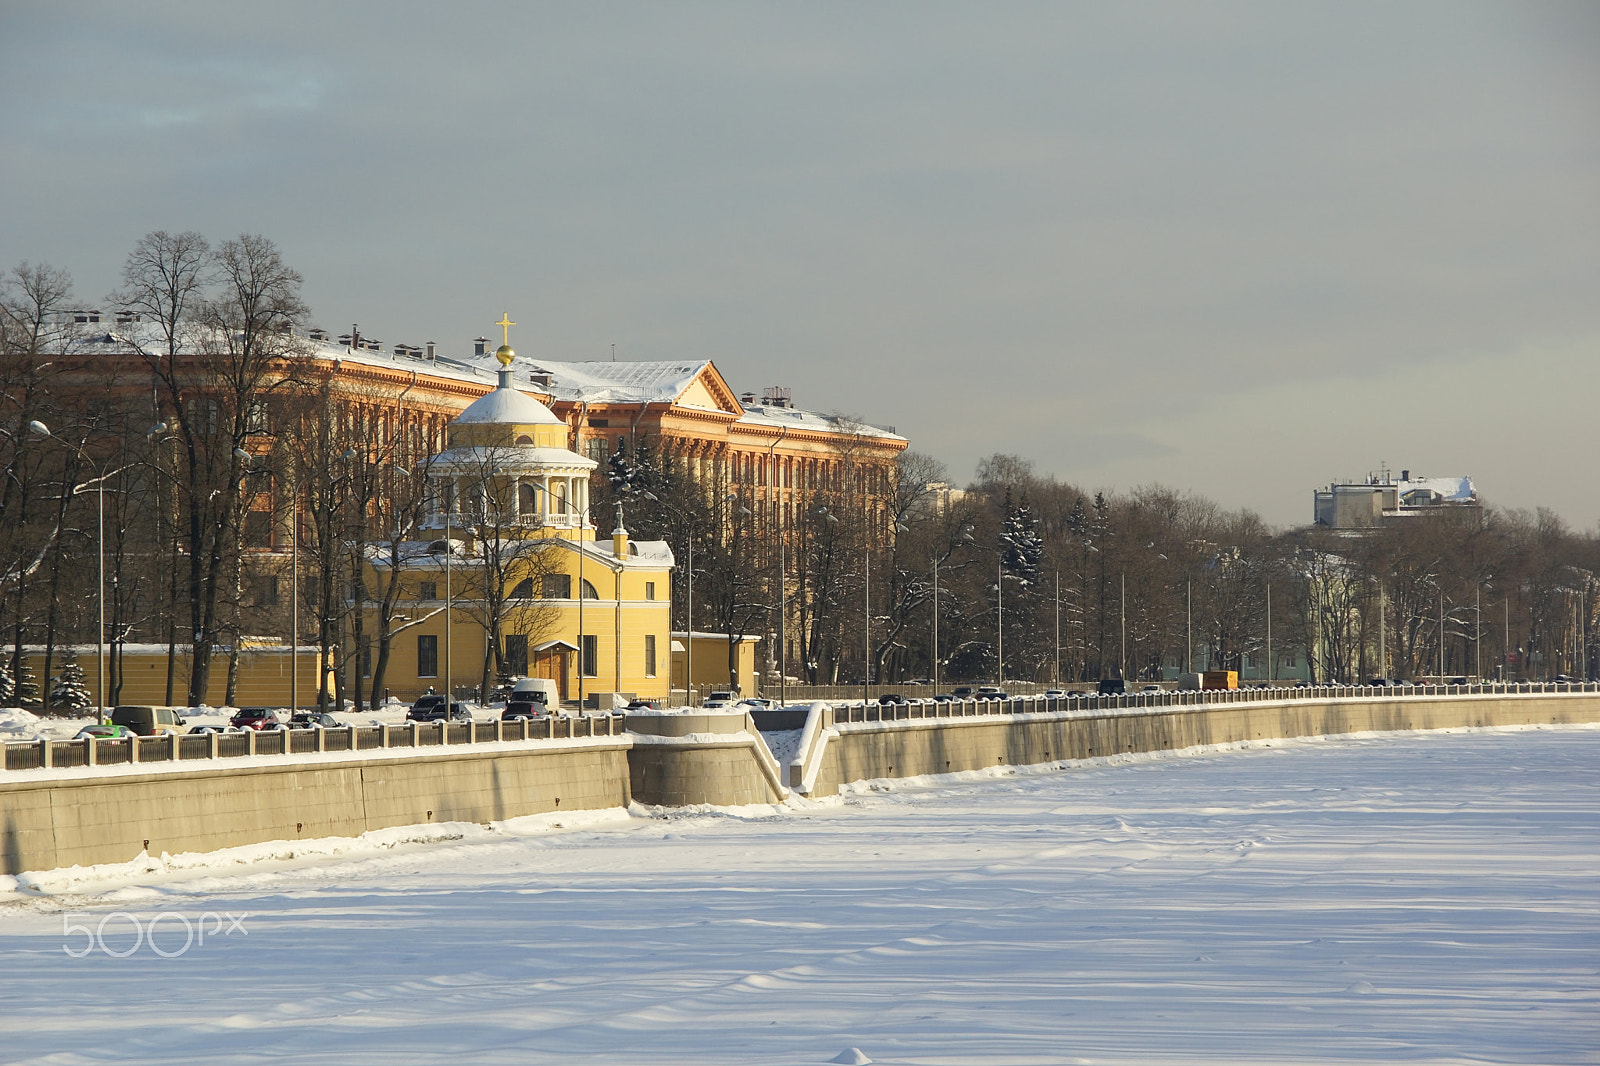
{"x":1421,"y":899}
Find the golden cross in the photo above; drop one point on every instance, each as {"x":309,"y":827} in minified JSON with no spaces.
{"x":505,"y":325}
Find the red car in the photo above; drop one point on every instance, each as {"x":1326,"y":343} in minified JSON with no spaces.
{"x":255,"y":718}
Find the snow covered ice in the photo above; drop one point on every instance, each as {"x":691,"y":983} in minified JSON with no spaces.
{"x":1420,"y":898}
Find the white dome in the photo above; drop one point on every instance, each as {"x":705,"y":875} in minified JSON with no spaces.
{"x":505,"y":406}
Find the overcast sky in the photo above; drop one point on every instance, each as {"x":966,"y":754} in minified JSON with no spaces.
{"x":1240,"y":250}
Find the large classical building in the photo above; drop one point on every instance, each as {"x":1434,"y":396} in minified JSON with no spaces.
{"x":395,"y":410}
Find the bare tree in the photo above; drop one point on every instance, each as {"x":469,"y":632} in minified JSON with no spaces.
{"x":243,"y":353}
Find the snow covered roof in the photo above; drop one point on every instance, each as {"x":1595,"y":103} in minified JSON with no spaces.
{"x":510,"y":459}
{"x":794,"y":418}
{"x":507,"y":406}
{"x":663,"y":381}
{"x":1447,"y":489}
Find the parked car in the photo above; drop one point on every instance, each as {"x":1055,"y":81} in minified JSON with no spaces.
{"x":110,"y":731}
{"x":433,"y":710}
{"x":1055,"y":693}
{"x":963,"y":692}
{"x":755,"y":703}
{"x":991,"y":692}
{"x":642,"y":705}
{"x":1111,"y":686}
{"x":719,"y":699}
{"x":890,"y":697}
{"x":200,"y":730}
{"x":148,"y":721}
{"x":256,"y":718}
{"x":314,"y":720}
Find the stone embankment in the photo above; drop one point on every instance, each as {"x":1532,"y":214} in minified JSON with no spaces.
{"x":83,"y":802}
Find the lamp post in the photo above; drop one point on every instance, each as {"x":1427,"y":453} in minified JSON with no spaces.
{"x":39,"y":429}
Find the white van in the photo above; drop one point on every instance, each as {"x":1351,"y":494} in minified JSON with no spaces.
{"x":532,"y":697}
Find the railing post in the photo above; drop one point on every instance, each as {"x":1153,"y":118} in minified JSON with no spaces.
{"x":211,"y":747}
{"x":133,"y":748}
{"x":177,"y":751}
{"x":44,"y":752}
{"x":88,"y":751}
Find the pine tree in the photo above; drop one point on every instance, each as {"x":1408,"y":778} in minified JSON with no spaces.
{"x":69,"y":689}
{"x":1020,"y":546}
{"x":26,"y":687}
{"x":5,"y":685}
{"x":620,"y":472}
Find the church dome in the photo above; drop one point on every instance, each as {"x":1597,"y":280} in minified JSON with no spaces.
{"x":505,"y":406}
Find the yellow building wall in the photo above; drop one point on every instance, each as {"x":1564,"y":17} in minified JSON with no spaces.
{"x":263,"y":676}
{"x":710,"y":661}
{"x":617,"y":626}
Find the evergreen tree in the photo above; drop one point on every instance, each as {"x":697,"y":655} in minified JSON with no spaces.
{"x":5,"y":685}
{"x":69,"y":689}
{"x":1020,"y":546}
{"x":26,"y":687}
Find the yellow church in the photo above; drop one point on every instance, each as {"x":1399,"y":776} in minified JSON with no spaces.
{"x":507,"y":560}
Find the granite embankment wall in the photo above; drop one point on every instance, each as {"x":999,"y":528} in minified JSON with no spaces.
{"x":53,"y":816}
{"x":109,"y":814}
{"x":844,"y":744}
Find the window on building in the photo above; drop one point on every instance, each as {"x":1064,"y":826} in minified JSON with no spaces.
{"x":1289,"y":658}
{"x":589,"y":592}
{"x":650,"y":591}
{"x":256,"y":418}
{"x":428,"y":590}
{"x":597,"y":449}
{"x":591,"y":656}
{"x":366,"y":656}
{"x":649,"y":655}
{"x":516,"y":657}
{"x":557,"y":586}
{"x":427,"y":655}
{"x":524,"y":590}
{"x":269,"y":592}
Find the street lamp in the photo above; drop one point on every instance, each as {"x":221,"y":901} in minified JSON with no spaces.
{"x":40,"y":430}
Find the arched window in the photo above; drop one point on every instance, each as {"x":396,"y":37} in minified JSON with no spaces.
{"x":524,"y":590}
{"x":588,"y":591}
{"x":524,"y":439}
{"x":527,"y":499}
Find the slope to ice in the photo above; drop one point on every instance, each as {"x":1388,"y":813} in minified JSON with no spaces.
{"x":1428,"y":898}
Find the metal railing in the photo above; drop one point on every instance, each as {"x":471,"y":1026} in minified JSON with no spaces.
{"x":102,"y":751}
{"x":174,"y":747}
{"x":859,"y":711}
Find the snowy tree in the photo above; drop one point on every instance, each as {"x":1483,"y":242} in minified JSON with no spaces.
{"x":69,"y":689}
{"x":1020,"y":546}
{"x":26,"y":688}
{"x":5,"y":685}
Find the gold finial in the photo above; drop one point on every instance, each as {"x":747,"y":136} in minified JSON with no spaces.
{"x":505,"y":354}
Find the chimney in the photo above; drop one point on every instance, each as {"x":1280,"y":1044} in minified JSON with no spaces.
{"x":480,"y":346}
{"x":1405,"y":475}
{"x":748,"y":398}
{"x":430,"y":351}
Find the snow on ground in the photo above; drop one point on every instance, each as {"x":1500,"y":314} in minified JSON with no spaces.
{"x":1420,"y":898}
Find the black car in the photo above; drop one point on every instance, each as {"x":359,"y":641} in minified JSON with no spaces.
{"x":1111,"y":686}
{"x":314,"y":720}
{"x":891,"y":697}
{"x":430,"y":708}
